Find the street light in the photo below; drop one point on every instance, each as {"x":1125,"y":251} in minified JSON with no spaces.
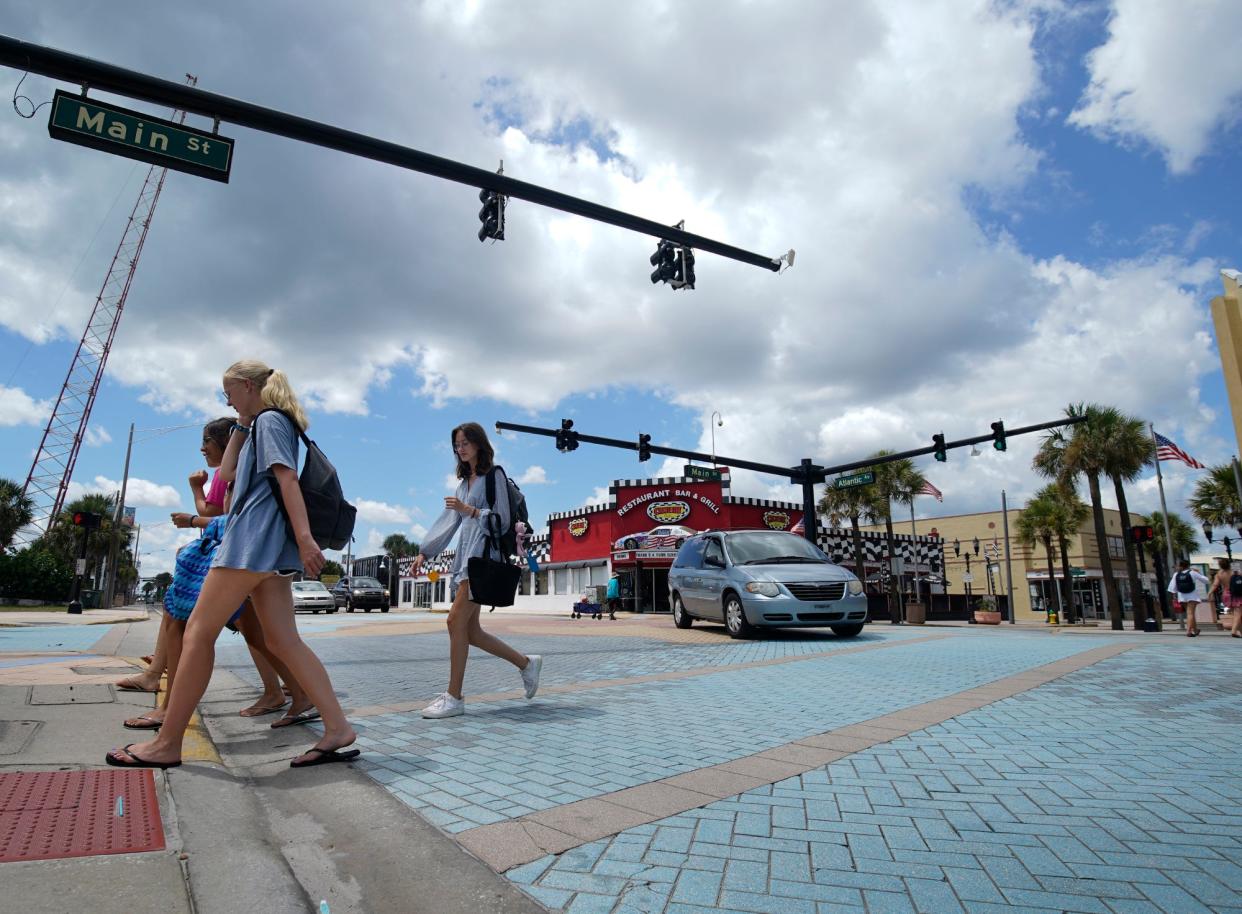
{"x":1207,"y":531}
{"x":718,"y":421}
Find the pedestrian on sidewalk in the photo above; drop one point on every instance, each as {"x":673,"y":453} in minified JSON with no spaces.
{"x":1190,"y":588}
{"x":265,"y":543}
{"x":469,"y":511}
{"x":612,"y":596}
{"x":1227,"y":583}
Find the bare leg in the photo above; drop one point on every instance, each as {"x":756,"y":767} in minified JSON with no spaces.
{"x":1192,"y":624}
{"x":223,"y":591}
{"x":273,"y":599}
{"x":149,"y":679}
{"x":173,"y":632}
{"x":271,"y":669}
{"x":459,"y":622}
{"x":494,"y":645}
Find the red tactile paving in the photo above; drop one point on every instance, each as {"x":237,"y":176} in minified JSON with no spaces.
{"x":45,"y":815}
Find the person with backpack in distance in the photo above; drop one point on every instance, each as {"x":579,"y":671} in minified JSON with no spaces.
{"x":267,"y":539}
{"x":1228,"y":583}
{"x":1190,"y":588}
{"x":481,"y":508}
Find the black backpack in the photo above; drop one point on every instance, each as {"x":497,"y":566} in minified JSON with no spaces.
{"x":1235,"y":584}
{"x":331,"y":517}
{"x":1185,"y":583}
{"x":517,"y":511}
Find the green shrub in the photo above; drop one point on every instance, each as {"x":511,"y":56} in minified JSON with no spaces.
{"x":34,"y":574}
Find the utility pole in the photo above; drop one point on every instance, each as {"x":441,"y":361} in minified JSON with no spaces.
{"x":114,"y":539}
{"x":1008,"y":567}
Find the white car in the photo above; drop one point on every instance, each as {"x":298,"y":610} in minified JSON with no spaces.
{"x":312,"y":596}
{"x":667,"y":537}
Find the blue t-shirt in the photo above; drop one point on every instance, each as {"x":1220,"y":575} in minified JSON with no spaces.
{"x":257,"y":537}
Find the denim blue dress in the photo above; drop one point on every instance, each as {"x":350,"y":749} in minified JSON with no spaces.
{"x":257,"y":537}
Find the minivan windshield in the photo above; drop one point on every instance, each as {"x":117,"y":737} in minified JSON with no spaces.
{"x":365,"y":582}
{"x":762,"y":547}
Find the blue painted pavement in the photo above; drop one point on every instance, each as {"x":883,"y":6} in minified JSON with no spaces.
{"x":1110,"y":790}
{"x":51,"y":638}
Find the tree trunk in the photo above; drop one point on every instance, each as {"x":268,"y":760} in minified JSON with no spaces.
{"x":1136,"y":588}
{"x":860,"y":565}
{"x":1067,"y":584}
{"x":894,"y":602}
{"x":1106,"y":561}
{"x":1157,"y":562}
{"x":1053,"y":590}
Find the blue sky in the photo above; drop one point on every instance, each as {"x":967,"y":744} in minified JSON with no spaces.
{"x":998,"y":209}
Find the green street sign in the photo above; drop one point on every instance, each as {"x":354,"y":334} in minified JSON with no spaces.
{"x":707,"y":474}
{"x":88,"y":122}
{"x":1077,"y":572}
{"x":854,"y":480}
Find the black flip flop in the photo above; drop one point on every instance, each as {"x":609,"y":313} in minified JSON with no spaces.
{"x":326,"y":757}
{"x":152,"y":722}
{"x":137,"y":761}
{"x":306,"y":717}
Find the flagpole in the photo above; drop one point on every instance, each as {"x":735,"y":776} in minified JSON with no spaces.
{"x":915,"y":539}
{"x":1164,"y":509}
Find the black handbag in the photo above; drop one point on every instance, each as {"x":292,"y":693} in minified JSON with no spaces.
{"x":491,"y":582}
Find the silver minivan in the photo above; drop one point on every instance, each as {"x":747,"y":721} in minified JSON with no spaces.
{"x":753,"y":579}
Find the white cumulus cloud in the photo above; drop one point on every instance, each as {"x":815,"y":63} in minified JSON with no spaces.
{"x":379,"y":512}
{"x":18,"y":408}
{"x":534,"y":476}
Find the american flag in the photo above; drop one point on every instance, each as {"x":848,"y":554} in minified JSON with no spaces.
{"x":929,"y":489}
{"x":1167,"y":450}
{"x":798,"y":528}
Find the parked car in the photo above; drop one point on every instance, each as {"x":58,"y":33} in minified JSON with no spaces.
{"x":313,"y":596}
{"x":360,"y":593}
{"x":755,"y":579}
{"x":667,"y":537}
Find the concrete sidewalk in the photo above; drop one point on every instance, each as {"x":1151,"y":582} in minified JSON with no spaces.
{"x":86,"y":617}
{"x":243,"y":832}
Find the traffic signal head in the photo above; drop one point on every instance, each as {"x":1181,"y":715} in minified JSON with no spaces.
{"x":87,"y":520}
{"x":644,"y":447}
{"x":664,"y":261}
{"x":491,"y":216}
{"x":1142,"y":533}
{"x":998,"y":436}
{"x":938,"y":441}
{"x":567,"y":438}
{"x":683,"y":269}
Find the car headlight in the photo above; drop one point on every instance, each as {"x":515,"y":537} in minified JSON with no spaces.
{"x":763,"y":588}
{"x":855,"y":587}
{"x":385,"y":595}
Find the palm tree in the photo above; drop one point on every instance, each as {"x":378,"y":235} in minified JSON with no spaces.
{"x":62,"y":538}
{"x":1084,"y":452}
{"x":1072,"y":513}
{"x":16,"y":511}
{"x":1214,"y":500}
{"x":853,"y":503}
{"x":1129,"y":450}
{"x":1039,"y":522}
{"x":398,"y":545}
{"x":897,"y":481}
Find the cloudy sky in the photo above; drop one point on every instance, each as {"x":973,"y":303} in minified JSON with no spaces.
{"x":998,"y":208}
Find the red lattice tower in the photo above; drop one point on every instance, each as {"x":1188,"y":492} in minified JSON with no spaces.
{"x":52,"y":469}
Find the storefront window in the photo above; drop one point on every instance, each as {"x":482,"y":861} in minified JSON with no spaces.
{"x":561,"y":580}
{"x":599,"y":574}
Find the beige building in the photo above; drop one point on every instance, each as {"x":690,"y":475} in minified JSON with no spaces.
{"x":1028,"y":566}
{"x":1227,"y":316}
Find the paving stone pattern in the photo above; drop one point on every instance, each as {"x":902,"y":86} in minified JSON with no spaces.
{"x":390,"y":669}
{"x":506,"y":759}
{"x":1108,"y":791}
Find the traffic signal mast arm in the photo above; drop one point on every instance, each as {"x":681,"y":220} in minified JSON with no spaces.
{"x":798,"y":473}
{"x":104,"y":77}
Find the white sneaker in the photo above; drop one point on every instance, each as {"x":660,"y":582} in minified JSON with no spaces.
{"x":530,"y":675}
{"x":445,"y":705}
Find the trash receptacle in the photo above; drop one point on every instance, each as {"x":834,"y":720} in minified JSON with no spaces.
{"x":90,"y":599}
{"x":916,"y":613}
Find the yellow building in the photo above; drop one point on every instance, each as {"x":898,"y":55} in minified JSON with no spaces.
{"x":1227,"y":317}
{"x":1028,"y":566}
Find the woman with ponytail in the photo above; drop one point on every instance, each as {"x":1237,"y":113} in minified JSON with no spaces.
{"x":258,"y":555}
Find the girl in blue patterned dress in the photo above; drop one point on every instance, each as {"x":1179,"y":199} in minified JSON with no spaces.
{"x":256,"y":558}
{"x":468,"y":511}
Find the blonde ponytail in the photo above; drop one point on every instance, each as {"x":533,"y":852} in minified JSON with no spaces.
{"x":274,"y":387}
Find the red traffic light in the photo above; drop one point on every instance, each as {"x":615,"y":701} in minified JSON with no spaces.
{"x":1142,"y":534}
{"x":86,"y":519}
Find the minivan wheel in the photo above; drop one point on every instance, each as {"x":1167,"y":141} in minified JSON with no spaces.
{"x":735,"y":618}
{"x":681,"y":618}
{"x":349,"y":607}
{"x":847,"y":631}
{"x":384,"y":609}
{"x":631,"y":544}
